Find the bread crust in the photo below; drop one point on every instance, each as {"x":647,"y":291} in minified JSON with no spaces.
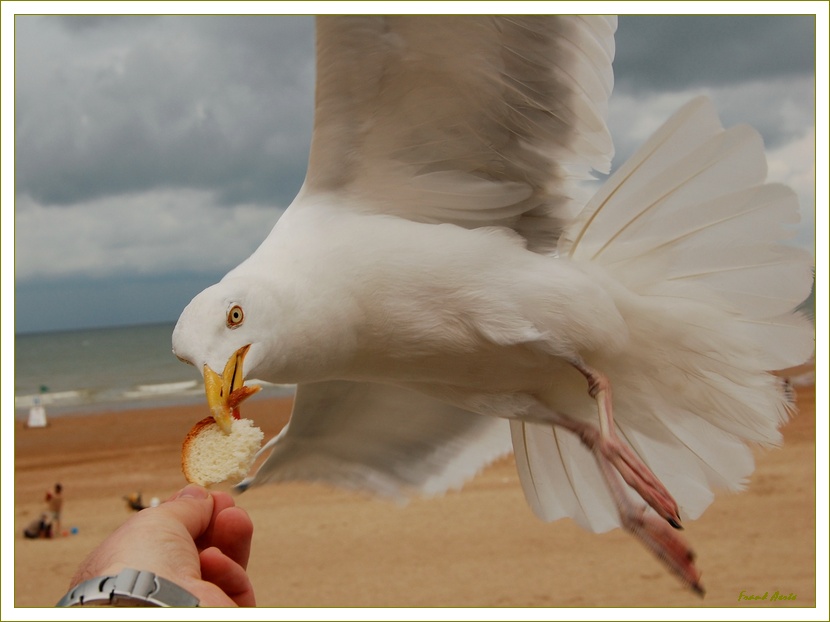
{"x":191,"y":436}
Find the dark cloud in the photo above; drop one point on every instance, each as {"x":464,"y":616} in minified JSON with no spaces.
{"x":86,"y":24}
{"x":679,"y":52}
{"x":164,"y":138}
{"x":759,"y":70}
{"x":199,"y":102}
{"x":111,"y":104}
{"x":73,"y":303}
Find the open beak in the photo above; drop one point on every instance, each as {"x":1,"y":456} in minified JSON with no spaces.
{"x":226,"y":392}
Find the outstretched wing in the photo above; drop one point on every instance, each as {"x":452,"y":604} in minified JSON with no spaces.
{"x":472,"y":120}
{"x":380,"y":439}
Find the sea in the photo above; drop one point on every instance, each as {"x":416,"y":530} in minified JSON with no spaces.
{"x":105,"y":370}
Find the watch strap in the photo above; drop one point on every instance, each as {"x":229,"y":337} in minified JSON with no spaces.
{"x":129,"y":588}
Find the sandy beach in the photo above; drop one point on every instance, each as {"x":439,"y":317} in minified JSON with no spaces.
{"x":480,"y":547}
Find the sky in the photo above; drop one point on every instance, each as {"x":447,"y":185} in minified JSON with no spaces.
{"x":152,"y":154}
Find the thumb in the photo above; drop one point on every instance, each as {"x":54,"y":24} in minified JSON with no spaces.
{"x":147,"y":540}
{"x":192,"y":506}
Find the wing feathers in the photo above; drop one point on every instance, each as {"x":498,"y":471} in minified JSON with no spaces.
{"x":382,"y":439}
{"x":422,"y":116}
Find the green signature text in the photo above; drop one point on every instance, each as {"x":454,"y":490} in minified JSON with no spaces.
{"x":776,"y":596}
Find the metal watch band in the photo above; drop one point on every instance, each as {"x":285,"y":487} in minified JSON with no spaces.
{"x":129,"y":588}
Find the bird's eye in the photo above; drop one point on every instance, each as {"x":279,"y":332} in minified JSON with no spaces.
{"x":235,"y":316}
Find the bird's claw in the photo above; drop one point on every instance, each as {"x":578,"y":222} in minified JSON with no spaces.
{"x":637,"y":475}
{"x":666,"y":544}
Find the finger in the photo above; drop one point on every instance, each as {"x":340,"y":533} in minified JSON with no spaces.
{"x":232,"y":533}
{"x":227,"y":575}
{"x":221,"y":502}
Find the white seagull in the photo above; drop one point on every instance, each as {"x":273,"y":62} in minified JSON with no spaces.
{"x":437,"y":281}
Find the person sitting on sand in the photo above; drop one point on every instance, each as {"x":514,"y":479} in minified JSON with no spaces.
{"x":39,"y":528}
{"x":198,"y":540}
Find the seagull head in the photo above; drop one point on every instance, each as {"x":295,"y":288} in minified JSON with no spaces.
{"x":221,"y":332}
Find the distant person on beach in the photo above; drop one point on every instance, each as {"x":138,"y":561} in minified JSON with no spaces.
{"x":134,"y":502}
{"x":197,"y":539}
{"x":54,"y":502}
{"x":39,"y":528}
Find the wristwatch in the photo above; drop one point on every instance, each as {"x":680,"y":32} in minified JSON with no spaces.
{"x":129,"y":588}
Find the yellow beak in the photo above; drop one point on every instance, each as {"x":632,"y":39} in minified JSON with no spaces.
{"x":226,"y":392}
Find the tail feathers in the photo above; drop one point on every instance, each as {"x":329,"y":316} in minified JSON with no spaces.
{"x":691,"y":454}
{"x":698,"y":459}
{"x":689,"y":216}
{"x":688,"y":240}
{"x":689,"y":222}
{"x":725,"y":251}
{"x":649,"y":175}
{"x":783,"y":341}
{"x":560,"y":477}
{"x":697,"y":360}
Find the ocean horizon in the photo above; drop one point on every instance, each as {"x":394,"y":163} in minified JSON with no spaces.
{"x":106,"y":369}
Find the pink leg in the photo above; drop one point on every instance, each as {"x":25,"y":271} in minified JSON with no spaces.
{"x":633,"y":470}
{"x":619,"y":465}
{"x":653,"y":532}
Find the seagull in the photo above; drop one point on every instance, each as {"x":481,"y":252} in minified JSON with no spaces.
{"x":442,"y":290}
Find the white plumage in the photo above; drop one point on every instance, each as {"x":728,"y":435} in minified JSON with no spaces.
{"x":437,"y":278}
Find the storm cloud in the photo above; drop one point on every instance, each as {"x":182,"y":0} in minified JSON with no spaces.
{"x":670,"y":52}
{"x":113,"y":106}
{"x":153,"y":153}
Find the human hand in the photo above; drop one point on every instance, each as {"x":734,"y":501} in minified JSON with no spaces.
{"x":198,"y":540}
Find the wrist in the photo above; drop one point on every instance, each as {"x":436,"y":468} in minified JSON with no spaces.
{"x":130,"y":588}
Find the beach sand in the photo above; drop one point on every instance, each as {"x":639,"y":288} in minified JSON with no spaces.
{"x":480,"y":547}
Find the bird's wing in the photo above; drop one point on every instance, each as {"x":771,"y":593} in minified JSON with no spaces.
{"x":472,"y":120}
{"x":381,"y":439}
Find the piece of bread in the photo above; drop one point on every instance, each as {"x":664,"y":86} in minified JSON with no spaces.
{"x":209,"y":456}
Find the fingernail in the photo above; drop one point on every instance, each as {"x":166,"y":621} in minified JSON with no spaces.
{"x":192,"y":491}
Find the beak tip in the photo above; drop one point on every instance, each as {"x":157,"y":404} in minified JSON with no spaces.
{"x":225,"y":424}
{"x":226,"y":392}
